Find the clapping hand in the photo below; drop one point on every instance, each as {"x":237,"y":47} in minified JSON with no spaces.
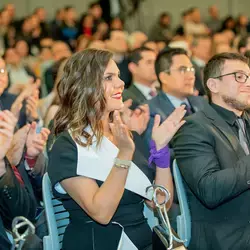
{"x":31,"y":106}
{"x":162,"y":134}
{"x":121,"y":134}
{"x":7,"y":126}
{"x":30,"y":91}
{"x":35,"y":142}
{"x":15,"y":152}
{"x":136,"y":120}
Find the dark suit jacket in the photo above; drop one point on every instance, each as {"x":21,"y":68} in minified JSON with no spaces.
{"x":141,"y":156}
{"x":16,"y":199}
{"x":4,"y":241}
{"x":217,"y":174}
{"x":199,"y":79}
{"x":6,"y":101}
{"x":135,"y":94}
{"x":162,"y":105}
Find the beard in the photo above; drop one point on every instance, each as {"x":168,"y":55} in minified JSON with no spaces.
{"x":236,"y":104}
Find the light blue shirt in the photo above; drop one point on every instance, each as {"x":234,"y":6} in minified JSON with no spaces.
{"x":177,"y":102}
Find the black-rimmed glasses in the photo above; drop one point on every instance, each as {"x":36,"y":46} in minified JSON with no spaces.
{"x":240,"y":77}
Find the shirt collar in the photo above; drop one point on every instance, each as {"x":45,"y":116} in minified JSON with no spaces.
{"x":145,"y":90}
{"x":227,"y":115}
{"x":176,"y":101}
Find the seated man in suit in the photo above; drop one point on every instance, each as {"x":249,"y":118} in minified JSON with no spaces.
{"x":175,"y":73}
{"x":143,"y":73}
{"x":212,"y":151}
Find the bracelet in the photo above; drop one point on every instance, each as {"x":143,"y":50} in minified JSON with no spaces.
{"x":161,"y":158}
{"x":122,"y":163}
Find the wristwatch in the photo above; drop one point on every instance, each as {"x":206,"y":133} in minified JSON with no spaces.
{"x":122,"y":163}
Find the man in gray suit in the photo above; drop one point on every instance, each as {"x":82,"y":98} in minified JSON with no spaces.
{"x":176,"y":75}
{"x":141,"y":66}
{"x":212,"y":151}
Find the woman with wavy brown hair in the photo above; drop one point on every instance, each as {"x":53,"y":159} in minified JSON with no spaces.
{"x":90,"y":162}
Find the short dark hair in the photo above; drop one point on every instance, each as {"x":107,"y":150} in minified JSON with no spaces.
{"x":135,"y":55}
{"x":94,"y":4}
{"x":68,"y":7}
{"x":164,"y":60}
{"x":215,"y":66}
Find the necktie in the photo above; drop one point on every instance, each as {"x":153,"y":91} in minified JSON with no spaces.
{"x":153,"y":93}
{"x":18,"y":175}
{"x":242,"y":135}
{"x":188,"y":109}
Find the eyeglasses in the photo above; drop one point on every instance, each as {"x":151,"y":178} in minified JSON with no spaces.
{"x":238,"y":76}
{"x":183,"y":70}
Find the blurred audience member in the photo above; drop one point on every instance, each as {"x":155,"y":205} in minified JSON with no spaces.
{"x":86,"y":25}
{"x":116,"y":24}
{"x":136,"y":39}
{"x":141,"y":66}
{"x":69,"y":27}
{"x":18,"y":74}
{"x":117,"y":44}
{"x":244,"y":44}
{"x":214,"y":22}
{"x":194,"y":25}
{"x":162,"y":29}
{"x":60,"y":50}
{"x":23,"y":50}
{"x":241,"y":25}
{"x":228,"y":24}
{"x":151,"y":45}
{"x":95,"y":11}
{"x":201,"y":53}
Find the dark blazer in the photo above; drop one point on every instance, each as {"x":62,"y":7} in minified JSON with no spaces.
{"x":135,"y":94}
{"x":4,"y":241}
{"x":216,"y":172}
{"x":16,"y":199}
{"x":6,"y":101}
{"x":199,"y":85}
{"x":163,"y":106}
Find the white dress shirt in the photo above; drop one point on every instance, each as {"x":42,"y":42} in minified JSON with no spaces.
{"x":145,"y":90}
{"x":177,"y":102}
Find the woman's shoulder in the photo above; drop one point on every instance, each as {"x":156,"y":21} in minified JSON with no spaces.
{"x":62,"y":142}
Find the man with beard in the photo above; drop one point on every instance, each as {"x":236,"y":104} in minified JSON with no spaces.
{"x":212,"y":151}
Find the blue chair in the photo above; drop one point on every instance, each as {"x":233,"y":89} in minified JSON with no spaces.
{"x":149,"y":215}
{"x":184,"y":219}
{"x":56,"y":215}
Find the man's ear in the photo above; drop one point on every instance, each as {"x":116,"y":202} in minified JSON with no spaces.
{"x":163,"y":77}
{"x":132,"y":67}
{"x":213,"y":85}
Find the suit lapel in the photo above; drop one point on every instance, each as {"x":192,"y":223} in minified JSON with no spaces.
{"x":137,"y":93}
{"x":196,"y":103}
{"x":225,"y":130}
{"x":166,"y":105}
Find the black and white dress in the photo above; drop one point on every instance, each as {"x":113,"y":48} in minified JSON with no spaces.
{"x":128,"y":229}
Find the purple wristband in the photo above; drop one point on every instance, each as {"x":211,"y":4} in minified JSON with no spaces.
{"x":161,"y":158}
